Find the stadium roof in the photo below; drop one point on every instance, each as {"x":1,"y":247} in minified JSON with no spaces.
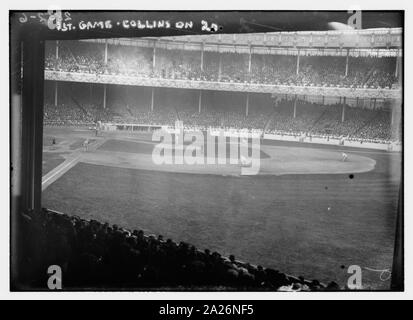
{"x":370,"y":39}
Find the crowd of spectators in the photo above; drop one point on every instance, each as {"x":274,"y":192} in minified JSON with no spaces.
{"x":311,"y":119}
{"x":72,"y":114}
{"x":64,"y":114}
{"x":363,"y":72}
{"x":215,"y":117}
{"x":75,"y":56}
{"x":131,"y":61}
{"x":326,"y":121}
{"x":97,"y":255}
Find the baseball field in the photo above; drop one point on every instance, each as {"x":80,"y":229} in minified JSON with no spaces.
{"x":305,"y":213}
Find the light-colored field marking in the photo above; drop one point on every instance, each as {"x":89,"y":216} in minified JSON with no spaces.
{"x":57,"y":172}
{"x":372,"y":152}
{"x":70,"y":162}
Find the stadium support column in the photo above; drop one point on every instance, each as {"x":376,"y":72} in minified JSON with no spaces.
{"x":152,"y":98}
{"x":30,"y":170}
{"x":397,"y":274}
{"x":298,"y":63}
{"x":104,"y":96}
{"x":249,"y":61}
{"x":219,"y":66}
{"x":347,"y":63}
{"x":247,"y":104}
{"x":202,"y":57}
{"x":396,"y":108}
{"x":200,"y":101}
{"x":295,"y":107}
{"x":396,"y":71}
{"x":27,"y":140}
{"x":126,"y":97}
{"x":343,"y":112}
{"x":154,"y":57}
{"x":106,"y":52}
{"x":55,"y":84}
{"x":399,"y":69}
{"x":55,"y":93}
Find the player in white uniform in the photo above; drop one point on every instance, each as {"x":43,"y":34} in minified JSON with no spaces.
{"x":344,"y":157}
{"x":85,"y":144}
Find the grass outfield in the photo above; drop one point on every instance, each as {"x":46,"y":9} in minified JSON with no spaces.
{"x":310,"y":225}
{"x":51,"y":161}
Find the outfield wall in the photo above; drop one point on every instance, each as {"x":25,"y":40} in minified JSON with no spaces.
{"x":336,"y":141}
{"x":259,"y":133}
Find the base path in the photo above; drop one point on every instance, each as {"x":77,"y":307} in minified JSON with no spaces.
{"x":71,"y":160}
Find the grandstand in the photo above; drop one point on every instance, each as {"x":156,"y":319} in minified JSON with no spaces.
{"x":356,"y":91}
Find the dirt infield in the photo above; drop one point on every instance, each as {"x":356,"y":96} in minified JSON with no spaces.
{"x":274,"y":160}
{"x":135,"y":152}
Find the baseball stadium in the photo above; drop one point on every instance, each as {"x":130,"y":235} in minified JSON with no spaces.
{"x":319,"y":111}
